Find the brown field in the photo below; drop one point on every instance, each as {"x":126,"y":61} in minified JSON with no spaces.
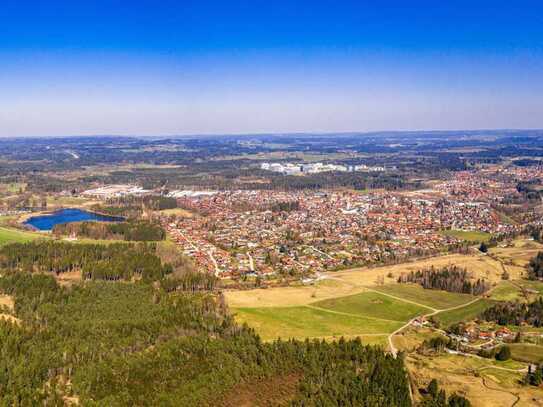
{"x":275,"y":391}
{"x":353,"y":281}
{"x":291,"y":296}
{"x":411,"y":338}
{"x":7,"y":301}
{"x":486,"y":383}
{"x":68,"y":278}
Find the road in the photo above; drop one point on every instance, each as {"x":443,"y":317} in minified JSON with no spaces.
{"x":393,"y":349}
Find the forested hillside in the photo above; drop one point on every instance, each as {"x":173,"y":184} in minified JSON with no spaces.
{"x":111,"y":343}
{"x":118,"y":261}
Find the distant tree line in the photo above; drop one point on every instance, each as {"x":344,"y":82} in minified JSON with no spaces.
{"x":535,"y":267}
{"x":449,"y":278}
{"x":516,"y":313}
{"x":116,"y":261}
{"x":131,"y":230}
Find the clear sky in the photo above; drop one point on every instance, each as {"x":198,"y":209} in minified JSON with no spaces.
{"x":182,"y":67}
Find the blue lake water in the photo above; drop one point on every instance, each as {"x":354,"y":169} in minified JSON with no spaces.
{"x":47,"y":222}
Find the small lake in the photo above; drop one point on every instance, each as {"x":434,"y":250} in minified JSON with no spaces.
{"x":47,"y":222}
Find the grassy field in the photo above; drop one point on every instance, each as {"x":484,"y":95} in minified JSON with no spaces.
{"x":8,"y":235}
{"x":436,"y":299}
{"x":526,"y":352}
{"x":478,"y":379}
{"x":466,"y":313}
{"x":470,"y":236}
{"x":506,"y":291}
{"x":337,"y":305}
{"x":304,"y":322}
{"x":373,"y":305}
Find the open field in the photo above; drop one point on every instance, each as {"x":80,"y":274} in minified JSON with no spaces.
{"x":485,"y":382}
{"x":518,"y":255}
{"x":290,"y":296}
{"x":331,"y":306}
{"x":307,"y":322}
{"x":506,"y":291}
{"x":373,"y":305}
{"x":470,"y":236}
{"x":8,"y":235}
{"x":411,"y":338}
{"x":466,"y":313}
{"x":481,"y":265}
{"x":435,"y":299}
{"x":526,"y":352}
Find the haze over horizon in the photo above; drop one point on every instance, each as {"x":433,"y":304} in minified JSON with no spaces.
{"x":259,"y":67}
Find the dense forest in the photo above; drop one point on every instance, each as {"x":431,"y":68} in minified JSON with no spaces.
{"x":449,"y":278}
{"x":132,"y":230}
{"x":110,"y":343}
{"x":535,"y":267}
{"x":516,"y":313}
{"x":116,"y":261}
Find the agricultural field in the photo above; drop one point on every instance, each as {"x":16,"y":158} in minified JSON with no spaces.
{"x":466,"y":313}
{"x":469,"y":236}
{"x":435,"y":299}
{"x":374,"y":305}
{"x":517,"y":255}
{"x":296,"y":311}
{"x":506,"y":291}
{"x":309,"y":322}
{"x":8,"y":235}
{"x":356,"y":302}
{"x":527,"y":352}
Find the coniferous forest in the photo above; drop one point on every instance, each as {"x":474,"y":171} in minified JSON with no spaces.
{"x":139,"y":231}
{"x":116,"y":261}
{"x":449,"y":278}
{"x":112,"y":343}
{"x":516,"y":313}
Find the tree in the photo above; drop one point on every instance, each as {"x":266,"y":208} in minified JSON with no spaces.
{"x":504,"y":353}
{"x":456,"y":400}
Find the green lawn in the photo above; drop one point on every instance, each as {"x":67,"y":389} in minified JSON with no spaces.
{"x":8,"y":235}
{"x":463,"y":314}
{"x":304,"y":322}
{"x":431,"y":298}
{"x":505,"y":291}
{"x":470,"y":236}
{"x":527,"y":352}
{"x":533,"y":285}
{"x":374,"y":305}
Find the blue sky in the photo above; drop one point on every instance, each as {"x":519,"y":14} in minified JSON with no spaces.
{"x":181,"y":67}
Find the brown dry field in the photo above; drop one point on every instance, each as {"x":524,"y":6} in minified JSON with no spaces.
{"x":353,"y":281}
{"x":68,"y":278}
{"x":483,"y":385}
{"x":273,"y":392}
{"x":7,"y":301}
